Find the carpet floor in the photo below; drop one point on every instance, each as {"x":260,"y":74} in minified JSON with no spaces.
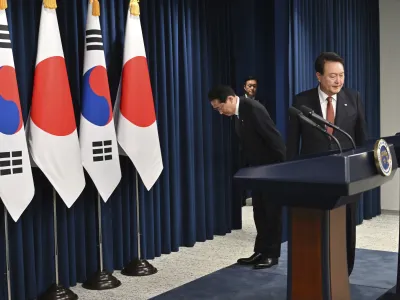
{"x":374,"y":274}
{"x":190,"y":264}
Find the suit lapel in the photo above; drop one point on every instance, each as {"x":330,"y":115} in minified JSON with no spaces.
{"x":242,"y":108}
{"x":315,"y":102}
{"x":341,"y":111}
{"x":242,"y":115}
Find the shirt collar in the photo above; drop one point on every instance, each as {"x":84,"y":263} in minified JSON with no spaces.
{"x":323,"y":97}
{"x":237,"y":106}
{"x":247,"y":96}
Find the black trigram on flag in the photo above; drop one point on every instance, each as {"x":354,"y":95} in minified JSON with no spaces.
{"x":10,"y":163}
{"x":94,"y":41}
{"x":102,"y":151}
{"x":5,"y":41}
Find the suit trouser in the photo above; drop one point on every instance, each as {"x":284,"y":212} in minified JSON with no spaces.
{"x":244,"y":194}
{"x":268,"y":221}
{"x":351,"y":235}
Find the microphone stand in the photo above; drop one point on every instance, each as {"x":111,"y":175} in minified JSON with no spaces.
{"x":341,"y":131}
{"x":302,"y":117}
{"x":310,"y":113}
{"x":345,"y":133}
{"x":328,"y":135}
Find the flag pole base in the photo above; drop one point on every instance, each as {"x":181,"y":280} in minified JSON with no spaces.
{"x":139,"y":267}
{"x":58,"y":292}
{"x":101,"y":281}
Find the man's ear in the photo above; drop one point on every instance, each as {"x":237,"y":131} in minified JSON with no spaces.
{"x":318,"y":74}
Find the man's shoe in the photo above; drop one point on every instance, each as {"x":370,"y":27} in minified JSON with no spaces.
{"x":252,"y":260}
{"x":266,"y":263}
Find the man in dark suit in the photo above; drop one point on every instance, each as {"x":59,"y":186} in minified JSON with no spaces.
{"x":340,"y":106}
{"x":250,"y":91}
{"x":262,"y":144}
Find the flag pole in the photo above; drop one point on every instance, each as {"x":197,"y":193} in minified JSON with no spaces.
{"x":7,"y":252}
{"x":56,"y":291}
{"x":3,"y":6}
{"x":138,"y":266}
{"x":102,"y":279}
{"x":55,"y":235}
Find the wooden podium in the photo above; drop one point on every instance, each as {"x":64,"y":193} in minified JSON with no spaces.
{"x":316,"y":190}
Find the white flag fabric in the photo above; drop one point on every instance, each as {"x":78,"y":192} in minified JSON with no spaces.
{"x":52,"y":135}
{"x":136,"y":122}
{"x":99,"y":148}
{"x":16,"y":181}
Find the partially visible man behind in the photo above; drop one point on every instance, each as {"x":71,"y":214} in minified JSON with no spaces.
{"x":262,"y":144}
{"x":250,"y":87}
{"x":340,"y":106}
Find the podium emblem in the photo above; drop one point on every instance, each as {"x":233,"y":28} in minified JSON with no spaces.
{"x":383,"y":157}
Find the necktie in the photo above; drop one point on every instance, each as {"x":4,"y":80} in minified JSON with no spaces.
{"x":330,"y":114}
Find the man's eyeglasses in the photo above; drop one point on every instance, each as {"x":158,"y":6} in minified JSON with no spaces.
{"x":219,"y":107}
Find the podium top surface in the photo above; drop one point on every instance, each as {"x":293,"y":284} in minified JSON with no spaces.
{"x":325,"y":175}
{"x":394,"y":140}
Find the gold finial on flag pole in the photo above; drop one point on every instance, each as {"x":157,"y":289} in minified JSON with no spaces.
{"x":52,"y":4}
{"x":3,"y":4}
{"x":135,"y":9}
{"x":95,"y":8}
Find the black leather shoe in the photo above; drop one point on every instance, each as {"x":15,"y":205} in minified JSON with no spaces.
{"x":266,"y":263}
{"x":252,"y":260}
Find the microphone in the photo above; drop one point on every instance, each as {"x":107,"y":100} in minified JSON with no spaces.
{"x":310,"y":113}
{"x":297,"y":113}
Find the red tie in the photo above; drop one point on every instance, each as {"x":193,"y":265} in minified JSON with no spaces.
{"x":330,"y":115}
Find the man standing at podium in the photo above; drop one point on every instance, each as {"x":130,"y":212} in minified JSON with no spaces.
{"x":261,"y":144}
{"x":340,"y":106}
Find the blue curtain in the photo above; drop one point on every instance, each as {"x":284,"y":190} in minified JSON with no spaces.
{"x":188,"y":49}
{"x":350,"y":28}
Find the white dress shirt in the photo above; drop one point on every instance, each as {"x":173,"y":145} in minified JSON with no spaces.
{"x":324,"y":102}
{"x":237,"y":106}
{"x":253,"y":98}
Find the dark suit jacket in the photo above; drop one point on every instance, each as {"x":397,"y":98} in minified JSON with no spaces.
{"x":237,"y":121}
{"x":260,"y":140}
{"x":349,"y":117}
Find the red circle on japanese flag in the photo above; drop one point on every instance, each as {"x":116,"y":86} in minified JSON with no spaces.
{"x":52,"y":109}
{"x":136,"y":96}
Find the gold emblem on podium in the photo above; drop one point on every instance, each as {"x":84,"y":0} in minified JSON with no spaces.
{"x":383,"y":157}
